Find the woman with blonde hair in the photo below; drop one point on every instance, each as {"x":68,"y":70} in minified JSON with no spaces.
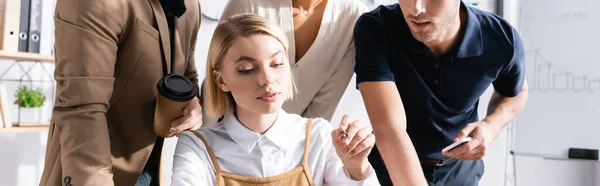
{"x":257,"y":142}
{"x":321,"y":51}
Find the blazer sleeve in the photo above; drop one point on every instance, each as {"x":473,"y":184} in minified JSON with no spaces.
{"x":328,"y":97}
{"x":86,"y":47}
{"x":191,"y":71}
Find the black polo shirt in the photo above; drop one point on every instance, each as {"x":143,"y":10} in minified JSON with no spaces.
{"x":440,"y":94}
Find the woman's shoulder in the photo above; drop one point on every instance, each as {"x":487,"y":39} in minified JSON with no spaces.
{"x":351,"y":8}
{"x":210,"y":134}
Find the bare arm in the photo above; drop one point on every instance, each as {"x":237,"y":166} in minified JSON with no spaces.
{"x":506,"y":102}
{"x":387,"y":117}
{"x":502,"y":110}
{"x":509,"y":98}
{"x":510,"y":95}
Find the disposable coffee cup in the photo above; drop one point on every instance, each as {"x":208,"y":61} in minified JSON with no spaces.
{"x":175,"y":93}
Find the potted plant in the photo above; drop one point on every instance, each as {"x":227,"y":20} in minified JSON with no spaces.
{"x":29,"y":101}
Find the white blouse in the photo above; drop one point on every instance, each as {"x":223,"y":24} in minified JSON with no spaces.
{"x":241,"y":151}
{"x":324,"y":72}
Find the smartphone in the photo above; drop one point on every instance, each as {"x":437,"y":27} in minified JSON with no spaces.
{"x":457,"y":144}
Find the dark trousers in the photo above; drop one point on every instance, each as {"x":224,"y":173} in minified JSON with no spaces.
{"x":453,"y":172}
{"x":149,"y":176}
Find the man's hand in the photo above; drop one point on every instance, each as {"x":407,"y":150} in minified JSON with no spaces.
{"x":482,"y":133}
{"x":191,"y":119}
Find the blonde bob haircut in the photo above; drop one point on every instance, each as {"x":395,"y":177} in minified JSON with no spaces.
{"x":217,"y":102}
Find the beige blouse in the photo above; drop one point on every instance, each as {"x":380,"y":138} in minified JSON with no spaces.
{"x":324,"y":72}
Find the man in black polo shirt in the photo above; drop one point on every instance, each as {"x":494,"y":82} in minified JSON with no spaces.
{"x":421,"y":67}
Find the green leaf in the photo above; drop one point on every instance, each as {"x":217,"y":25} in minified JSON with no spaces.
{"x":29,"y":98}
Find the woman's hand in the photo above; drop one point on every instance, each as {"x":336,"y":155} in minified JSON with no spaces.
{"x":353,"y":143}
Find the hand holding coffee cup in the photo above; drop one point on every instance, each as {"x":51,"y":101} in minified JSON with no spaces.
{"x":177,"y":107}
{"x":191,"y":118}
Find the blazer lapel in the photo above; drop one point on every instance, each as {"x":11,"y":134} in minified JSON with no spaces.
{"x":163,"y":29}
{"x":176,"y":52}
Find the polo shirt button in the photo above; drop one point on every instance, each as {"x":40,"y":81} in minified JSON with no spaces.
{"x":436,"y":82}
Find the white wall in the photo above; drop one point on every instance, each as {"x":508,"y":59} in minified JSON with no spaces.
{"x":536,"y":170}
{"x":540,"y":171}
{"x":21,"y":158}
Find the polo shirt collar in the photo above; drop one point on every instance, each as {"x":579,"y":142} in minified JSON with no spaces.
{"x":471,"y":44}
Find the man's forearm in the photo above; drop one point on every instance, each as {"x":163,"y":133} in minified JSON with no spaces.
{"x":502,"y":110}
{"x":400,"y":157}
{"x":387,"y":116}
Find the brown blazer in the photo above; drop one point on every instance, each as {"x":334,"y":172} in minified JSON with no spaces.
{"x":110,"y":55}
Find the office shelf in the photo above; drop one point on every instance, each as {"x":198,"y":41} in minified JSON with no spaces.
{"x":17,"y":59}
{"x":40,"y":128}
{"x":24,"y":56}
